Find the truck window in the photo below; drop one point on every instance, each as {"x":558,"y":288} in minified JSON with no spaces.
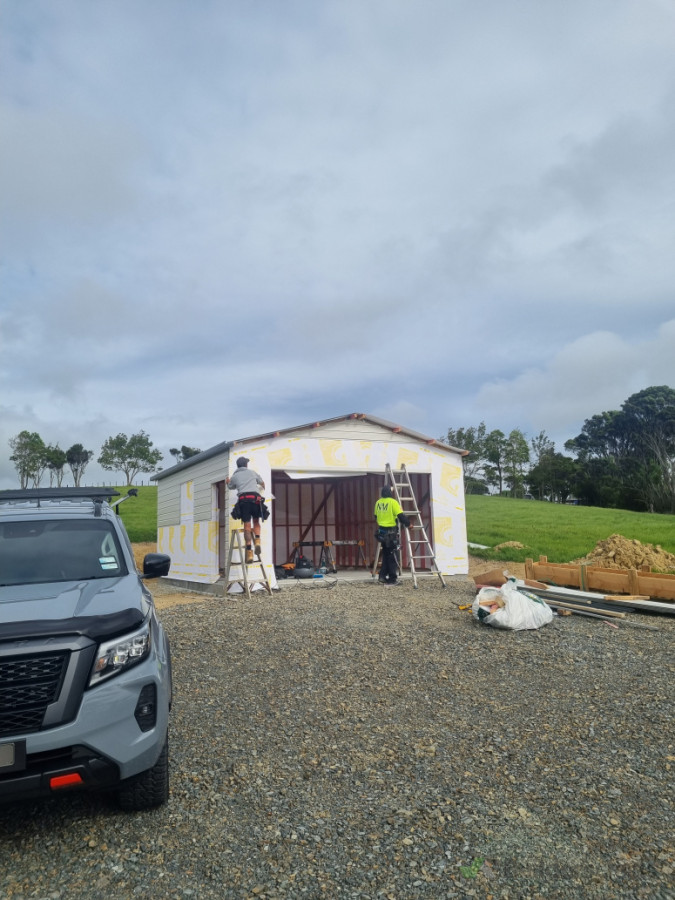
{"x":34,"y":552}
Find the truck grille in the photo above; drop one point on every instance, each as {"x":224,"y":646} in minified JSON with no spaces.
{"x":28,"y":685}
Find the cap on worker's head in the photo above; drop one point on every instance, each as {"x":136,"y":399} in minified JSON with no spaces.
{"x":385,"y":492}
{"x":242,"y":461}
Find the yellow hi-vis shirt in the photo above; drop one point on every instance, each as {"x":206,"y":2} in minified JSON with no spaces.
{"x":386,"y":511}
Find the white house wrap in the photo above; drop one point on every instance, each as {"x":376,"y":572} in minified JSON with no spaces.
{"x":322,"y":480}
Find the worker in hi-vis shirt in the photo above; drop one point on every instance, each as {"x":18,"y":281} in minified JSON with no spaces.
{"x":389,"y":515}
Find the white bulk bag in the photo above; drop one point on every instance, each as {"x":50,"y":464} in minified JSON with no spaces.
{"x":515,"y":610}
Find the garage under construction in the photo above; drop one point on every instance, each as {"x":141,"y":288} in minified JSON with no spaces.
{"x":322,"y":480}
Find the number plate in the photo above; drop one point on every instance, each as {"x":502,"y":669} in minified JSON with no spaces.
{"x":12,"y":756}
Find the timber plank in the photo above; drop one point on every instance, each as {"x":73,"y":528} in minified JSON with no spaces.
{"x":606,"y":581}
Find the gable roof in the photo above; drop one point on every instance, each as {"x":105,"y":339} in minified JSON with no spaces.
{"x":363,"y":417}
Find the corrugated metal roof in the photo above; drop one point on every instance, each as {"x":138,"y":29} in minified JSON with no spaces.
{"x":230,"y":445}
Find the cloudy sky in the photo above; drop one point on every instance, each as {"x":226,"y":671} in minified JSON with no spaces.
{"x":222,"y":217}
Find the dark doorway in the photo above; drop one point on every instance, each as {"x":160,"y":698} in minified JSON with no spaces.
{"x":334,"y":509}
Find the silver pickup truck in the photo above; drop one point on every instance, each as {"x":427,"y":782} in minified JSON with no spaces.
{"x":85,"y":667}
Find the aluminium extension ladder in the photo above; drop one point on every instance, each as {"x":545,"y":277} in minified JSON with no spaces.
{"x":246,"y":579}
{"x":417,"y":541}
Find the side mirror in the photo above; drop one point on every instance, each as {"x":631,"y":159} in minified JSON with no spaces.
{"x":156,"y":565}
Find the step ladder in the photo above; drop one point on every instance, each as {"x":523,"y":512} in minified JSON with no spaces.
{"x":417,"y":541}
{"x":248,"y":576}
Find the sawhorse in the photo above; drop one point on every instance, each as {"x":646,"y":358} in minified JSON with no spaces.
{"x":326,"y":557}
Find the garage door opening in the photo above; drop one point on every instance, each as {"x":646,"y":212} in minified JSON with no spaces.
{"x":317,"y":509}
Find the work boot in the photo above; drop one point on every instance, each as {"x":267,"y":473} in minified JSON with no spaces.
{"x":249,"y":555}
{"x":257,"y":548}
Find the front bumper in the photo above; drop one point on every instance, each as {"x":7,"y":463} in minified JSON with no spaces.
{"x":103,"y":744}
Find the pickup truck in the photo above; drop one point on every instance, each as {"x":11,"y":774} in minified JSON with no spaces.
{"x":85,"y":665}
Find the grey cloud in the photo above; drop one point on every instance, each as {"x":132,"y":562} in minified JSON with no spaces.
{"x":58,"y":167}
{"x":632,"y":157}
{"x":457,"y":193}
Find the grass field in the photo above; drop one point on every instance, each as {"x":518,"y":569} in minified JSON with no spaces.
{"x":560,"y":532}
{"x":139,"y":514}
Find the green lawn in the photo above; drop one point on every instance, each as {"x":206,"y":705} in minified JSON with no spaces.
{"x":555,"y":530}
{"x":139,"y":514}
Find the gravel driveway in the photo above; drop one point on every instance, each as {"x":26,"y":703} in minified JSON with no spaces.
{"x":375,"y":742}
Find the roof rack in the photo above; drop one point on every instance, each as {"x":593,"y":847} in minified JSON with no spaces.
{"x":68,"y":493}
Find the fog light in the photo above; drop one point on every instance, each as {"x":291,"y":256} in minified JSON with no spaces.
{"x":146,"y":708}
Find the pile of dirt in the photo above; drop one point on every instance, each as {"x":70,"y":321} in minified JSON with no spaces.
{"x":618,"y":552}
{"x":516,"y":545}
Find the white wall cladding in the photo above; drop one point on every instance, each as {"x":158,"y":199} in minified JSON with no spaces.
{"x":348,"y":448}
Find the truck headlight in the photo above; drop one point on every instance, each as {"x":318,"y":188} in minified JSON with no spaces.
{"x":113,"y":657}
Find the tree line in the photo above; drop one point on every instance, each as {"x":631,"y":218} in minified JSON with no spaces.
{"x":623,"y":458}
{"x":34,"y":459}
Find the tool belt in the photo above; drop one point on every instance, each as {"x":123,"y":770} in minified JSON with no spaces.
{"x":252,"y":498}
{"x":388,"y":538}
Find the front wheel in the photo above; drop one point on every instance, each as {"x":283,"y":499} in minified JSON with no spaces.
{"x":147,"y":789}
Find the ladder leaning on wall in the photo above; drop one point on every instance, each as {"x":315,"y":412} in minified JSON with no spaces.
{"x":417,"y":541}
{"x":247,"y":578}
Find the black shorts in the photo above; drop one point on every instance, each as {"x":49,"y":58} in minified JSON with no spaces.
{"x":250,"y":509}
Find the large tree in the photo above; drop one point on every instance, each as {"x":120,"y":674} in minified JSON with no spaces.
{"x":552,"y":477}
{"x":183,"y":453}
{"x":541,"y":445}
{"x":495,"y":454}
{"x":472,"y":439}
{"x":56,"y":460}
{"x":131,"y":455}
{"x":648,"y":421}
{"x":78,"y":458}
{"x":29,"y":457}
{"x":627,"y":457}
{"x":516,"y":457}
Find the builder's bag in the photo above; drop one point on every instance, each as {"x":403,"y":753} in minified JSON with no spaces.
{"x":510,"y":608}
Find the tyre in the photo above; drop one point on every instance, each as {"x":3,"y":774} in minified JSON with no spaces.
{"x":147,"y":789}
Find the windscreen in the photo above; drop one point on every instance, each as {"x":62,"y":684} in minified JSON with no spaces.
{"x":44,"y":551}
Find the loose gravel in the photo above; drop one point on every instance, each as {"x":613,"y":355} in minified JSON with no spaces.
{"x":362,"y":741}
